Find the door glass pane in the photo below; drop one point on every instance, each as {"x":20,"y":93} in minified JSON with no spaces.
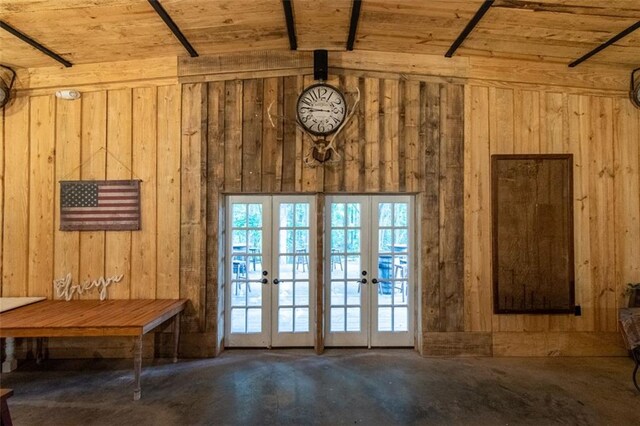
{"x":337,"y":320}
{"x":353,"y":215}
{"x":286,"y":214}
{"x":302,"y":214}
{"x":255,"y":216}
{"x":337,"y":215}
{"x":285,"y":293}
{"x":337,"y":293}
{"x":353,"y":241}
{"x":385,"y":240}
{"x":354,"y":269}
{"x":301,"y":320}
{"x":293,"y":268}
{"x":353,"y":319}
{"x":286,"y":241}
{"x":239,"y":215}
{"x":385,"y":212}
{"x":285,"y":320}
{"x":302,"y":241}
{"x":254,"y":320}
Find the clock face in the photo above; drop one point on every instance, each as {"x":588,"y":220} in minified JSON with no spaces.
{"x":321,"y":109}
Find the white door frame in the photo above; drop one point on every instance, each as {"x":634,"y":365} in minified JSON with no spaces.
{"x":268,"y":335}
{"x":369,"y":335}
{"x":281,"y":338}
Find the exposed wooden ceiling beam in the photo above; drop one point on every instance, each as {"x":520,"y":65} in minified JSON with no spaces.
{"x":470,"y":26}
{"x":291,"y":27}
{"x":35,"y":44}
{"x":355,"y":16}
{"x":173,"y":27}
{"x":606,"y":44}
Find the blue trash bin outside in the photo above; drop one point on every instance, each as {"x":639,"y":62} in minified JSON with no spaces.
{"x":385,"y":268}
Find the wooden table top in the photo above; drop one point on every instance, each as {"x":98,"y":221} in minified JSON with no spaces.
{"x":52,"y":318}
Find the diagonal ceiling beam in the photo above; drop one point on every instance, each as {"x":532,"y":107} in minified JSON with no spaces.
{"x":606,"y":44}
{"x":353,"y":27}
{"x":470,"y":26}
{"x":291,"y":27}
{"x":173,"y":27}
{"x":8,"y":28}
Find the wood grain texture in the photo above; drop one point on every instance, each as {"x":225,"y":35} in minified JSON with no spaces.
{"x":168,"y":192}
{"x":93,"y":155}
{"x":193,"y":204}
{"x":145,"y":163}
{"x":16,"y":219}
{"x":41,"y":195}
{"x":592,"y":129}
{"x":117,"y":245}
{"x":68,"y":147}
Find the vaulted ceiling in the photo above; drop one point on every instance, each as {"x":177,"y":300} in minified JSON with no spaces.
{"x":92,"y":31}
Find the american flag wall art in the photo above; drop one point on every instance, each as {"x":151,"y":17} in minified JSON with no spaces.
{"x":99,"y":205}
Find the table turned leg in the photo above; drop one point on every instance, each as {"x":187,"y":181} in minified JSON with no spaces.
{"x":176,"y":336}
{"x":39,"y":345}
{"x":137,"y":366}
{"x":10,"y":363}
{"x":636,"y":358}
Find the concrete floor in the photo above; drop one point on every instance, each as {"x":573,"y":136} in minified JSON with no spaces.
{"x":258,"y":387}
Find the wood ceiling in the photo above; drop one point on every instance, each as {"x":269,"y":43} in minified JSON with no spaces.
{"x":93,"y":31}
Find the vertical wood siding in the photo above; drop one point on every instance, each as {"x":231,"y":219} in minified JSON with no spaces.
{"x":48,"y":140}
{"x":190,"y":144}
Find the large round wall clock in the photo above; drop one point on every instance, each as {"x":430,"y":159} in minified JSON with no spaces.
{"x":321,"y":109}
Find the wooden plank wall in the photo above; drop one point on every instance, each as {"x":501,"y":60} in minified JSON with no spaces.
{"x":397,"y":122}
{"x":405,"y":137}
{"x":603,"y":134}
{"x":107,"y":134}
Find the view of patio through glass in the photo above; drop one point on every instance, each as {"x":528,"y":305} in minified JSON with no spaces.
{"x":393,"y":264}
{"x":293,"y":268}
{"x":345,"y":267}
{"x":246,"y":268}
{"x":271,"y":255}
{"x":368,"y":275}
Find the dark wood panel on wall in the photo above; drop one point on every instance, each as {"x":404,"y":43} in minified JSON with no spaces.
{"x":532,"y":233}
{"x":405,"y":136}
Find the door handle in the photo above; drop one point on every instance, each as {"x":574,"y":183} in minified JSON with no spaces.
{"x":276,"y":281}
{"x":374,"y":281}
{"x":264,"y":281}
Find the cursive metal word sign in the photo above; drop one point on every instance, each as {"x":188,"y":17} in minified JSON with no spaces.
{"x":66,"y":289}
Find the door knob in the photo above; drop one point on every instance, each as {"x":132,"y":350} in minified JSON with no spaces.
{"x":363,"y":281}
{"x":264,"y":281}
{"x":374,"y":281}
{"x":276,"y":281}
{"x":364,"y":273}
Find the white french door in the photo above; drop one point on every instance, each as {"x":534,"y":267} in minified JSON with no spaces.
{"x":369,"y":284}
{"x":270,"y":255}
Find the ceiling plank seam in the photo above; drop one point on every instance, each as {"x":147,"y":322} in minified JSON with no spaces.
{"x":353,"y":26}
{"x":173,"y":27}
{"x":606,"y":44}
{"x":291,"y":28}
{"x":469,"y":27}
{"x":8,"y":28}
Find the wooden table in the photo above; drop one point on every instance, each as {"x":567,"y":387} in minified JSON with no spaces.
{"x":83,"y":318}
{"x":5,"y":416}
{"x":7,"y":304}
{"x":629,"y":319}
